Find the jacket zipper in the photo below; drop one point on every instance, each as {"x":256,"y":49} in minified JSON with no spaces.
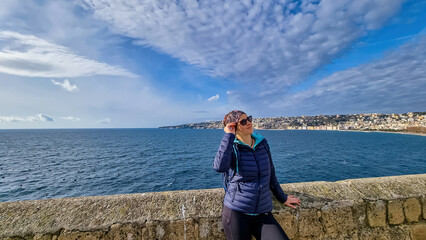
{"x":258,"y":181}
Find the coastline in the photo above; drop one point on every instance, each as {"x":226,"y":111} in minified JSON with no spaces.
{"x":407,"y":133}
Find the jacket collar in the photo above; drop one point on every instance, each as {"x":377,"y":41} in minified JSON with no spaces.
{"x":257,"y":139}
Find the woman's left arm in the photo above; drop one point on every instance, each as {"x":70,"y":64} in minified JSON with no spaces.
{"x":290,"y":201}
{"x":275,"y":186}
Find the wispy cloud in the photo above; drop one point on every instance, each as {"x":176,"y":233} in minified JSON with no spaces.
{"x":71,"y":118}
{"x":104,"y":121}
{"x":31,"y":56}
{"x":66,"y":85}
{"x":412,"y":36}
{"x":213,"y":98}
{"x":276,"y":43}
{"x":395,"y":83}
{"x":36,"y":118}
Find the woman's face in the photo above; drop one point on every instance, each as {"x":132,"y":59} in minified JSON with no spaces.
{"x":246,"y":129}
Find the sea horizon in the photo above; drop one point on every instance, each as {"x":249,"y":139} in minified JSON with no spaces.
{"x":367,"y":131}
{"x":56,"y":163}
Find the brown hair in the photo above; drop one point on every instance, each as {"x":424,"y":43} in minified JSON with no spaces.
{"x":232,"y":116}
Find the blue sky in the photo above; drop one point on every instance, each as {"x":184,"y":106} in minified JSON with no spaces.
{"x":109,"y":64}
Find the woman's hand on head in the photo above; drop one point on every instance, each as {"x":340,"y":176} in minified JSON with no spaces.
{"x":292,"y":201}
{"x":230,"y":127}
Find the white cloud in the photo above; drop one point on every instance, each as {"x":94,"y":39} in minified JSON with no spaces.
{"x":36,"y":118}
{"x":276,"y":43}
{"x":395,"y":83}
{"x":31,"y":56}
{"x":104,"y":121}
{"x":44,"y":118}
{"x":71,"y":118}
{"x":66,"y":85}
{"x":213,"y":98}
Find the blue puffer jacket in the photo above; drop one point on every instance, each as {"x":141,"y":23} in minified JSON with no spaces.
{"x":253,"y":175}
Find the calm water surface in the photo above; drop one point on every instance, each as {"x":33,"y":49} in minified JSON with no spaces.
{"x":38,"y":164}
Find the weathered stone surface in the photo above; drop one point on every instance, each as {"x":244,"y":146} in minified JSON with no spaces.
{"x":388,"y":187}
{"x":42,"y":237}
{"x":160,"y":215}
{"x":418,"y":232}
{"x":395,"y":212}
{"x":210,"y":229}
{"x":424,"y":206}
{"x":306,"y":238}
{"x":127,"y":231}
{"x":309,"y":223}
{"x":170,"y":230}
{"x":359,"y":213}
{"x":287,"y":220}
{"x":353,"y":235}
{"x":14,"y":238}
{"x":156,"y":230}
{"x":91,"y":213}
{"x":72,"y":235}
{"x":337,"y":218}
{"x":412,"y":209}
{"x":376,"y":213}
{"x":325,"y":191}
{"x":384,"y":233}
{"x":180,"y":230}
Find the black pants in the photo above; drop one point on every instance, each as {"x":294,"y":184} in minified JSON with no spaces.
{"x":240,"y":226}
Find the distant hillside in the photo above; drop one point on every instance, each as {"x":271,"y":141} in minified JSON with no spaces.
{"x":412,"y":121}
{"x":201,"y":125}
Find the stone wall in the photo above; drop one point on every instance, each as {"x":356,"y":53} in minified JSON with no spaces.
{"x":370,"y":208}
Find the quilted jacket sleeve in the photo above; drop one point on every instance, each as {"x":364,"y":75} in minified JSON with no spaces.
{"x":223,"y":158}
{"x":274,"y":184}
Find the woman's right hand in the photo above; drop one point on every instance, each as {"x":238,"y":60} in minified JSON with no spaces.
{"x":230,"y":127}
{"x":292,"y":201}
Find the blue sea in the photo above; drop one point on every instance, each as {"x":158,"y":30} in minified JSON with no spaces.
{"x":40,"y":164}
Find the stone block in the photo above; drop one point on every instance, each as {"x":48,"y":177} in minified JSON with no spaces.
{"x":210,"y":229}
{"x":412,"y":209}
{"x":72,"y":235}
{"x":287,"y":220}
{"x":418,"y":232}
{"x":384,"y":233}
{"x":376,"y":213}
{"x":424,"y":207}
{"x":395,"y":212}
{"x":171,"y":230}
{"x":127,"y":231}
{"x":359,"y":215}
{"x":309,"y":223}
{"x":180,"y":229}
{"x":42,"y":237}
{"x":350,"y":236}
{"x":304,"y":238}
{"x":337,"y":218}
{"x":155,"y":229}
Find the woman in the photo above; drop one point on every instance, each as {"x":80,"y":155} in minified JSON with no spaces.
{"x":249,"y":173}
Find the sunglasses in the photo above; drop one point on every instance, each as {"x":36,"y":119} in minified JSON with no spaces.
{"x":244,"y":121}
